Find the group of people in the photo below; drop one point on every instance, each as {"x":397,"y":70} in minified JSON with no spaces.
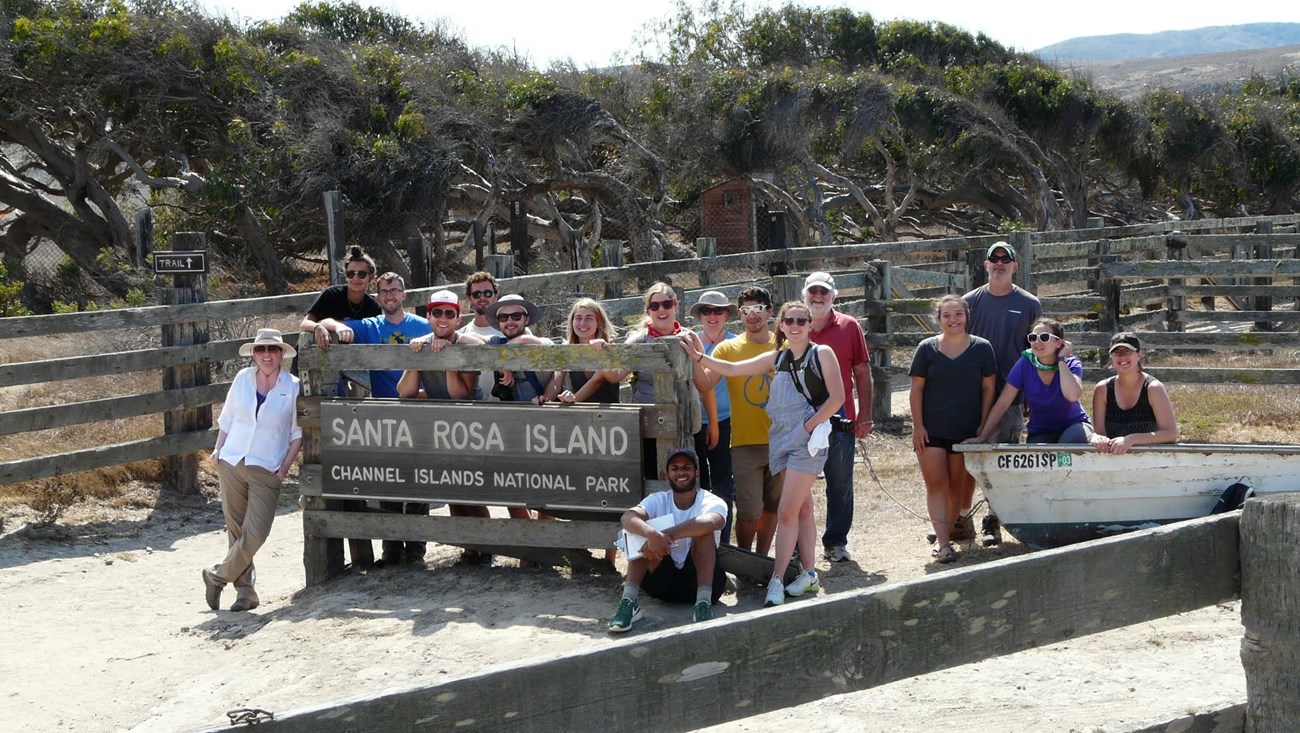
{"x":995,"y":359}
{"x":780,"y":403}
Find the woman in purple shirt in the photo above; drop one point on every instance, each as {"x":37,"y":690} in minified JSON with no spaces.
{"x":1052,"y":381}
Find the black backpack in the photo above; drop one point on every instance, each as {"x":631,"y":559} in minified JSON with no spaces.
{"x":1233,"y":498}
{"x":807,"y":375}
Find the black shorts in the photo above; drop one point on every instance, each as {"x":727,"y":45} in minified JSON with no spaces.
{"x":671,"y":584}
{"x":931,"y":442}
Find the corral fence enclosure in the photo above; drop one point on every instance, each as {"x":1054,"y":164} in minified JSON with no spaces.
{"x":1165,"y":280}
{"x":1169,"y":281}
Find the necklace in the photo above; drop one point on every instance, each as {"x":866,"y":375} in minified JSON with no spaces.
{"x":356,"y":309}
{"x":1040,"y":366}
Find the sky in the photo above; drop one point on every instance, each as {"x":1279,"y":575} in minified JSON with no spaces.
{"x":591,"y":32}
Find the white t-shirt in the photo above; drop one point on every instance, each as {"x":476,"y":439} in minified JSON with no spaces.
{"x":661,"y":502}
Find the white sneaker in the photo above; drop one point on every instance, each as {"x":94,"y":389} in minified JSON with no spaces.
{"x":807,"y":581}
{"x":838,"y":553}
{"x":775,"y":593}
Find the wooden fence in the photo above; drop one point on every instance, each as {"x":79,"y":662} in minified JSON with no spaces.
{"x":688,"y":678}
{"x":1099,"y":276}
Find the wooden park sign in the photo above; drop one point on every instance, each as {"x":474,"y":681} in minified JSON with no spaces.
{"x":544,"y":458}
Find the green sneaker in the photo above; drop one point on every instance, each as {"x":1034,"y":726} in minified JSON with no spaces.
{"x":628,"y":613}
{"x":703,"y":611}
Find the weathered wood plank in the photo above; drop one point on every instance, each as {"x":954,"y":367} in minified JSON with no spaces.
{"x":463,"y":530}
{"x":27,"y":469}
{"x":112,"y":408}
{"x":1243,"y":316}
{"x":1070,"y":305}
{"x":1270,"y":577}
{"x":1235,"y":291}
{"x":123,"y":362}
{"x":155,"y":315}
{"x":1200,"y":268}
{"x":640,"y":357}
{"x":687,"y":678}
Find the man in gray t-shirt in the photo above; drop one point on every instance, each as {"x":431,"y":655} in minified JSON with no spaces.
{"x":1004,"y":314}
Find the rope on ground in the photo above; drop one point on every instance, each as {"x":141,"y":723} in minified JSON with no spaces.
{"x":866,"y":458}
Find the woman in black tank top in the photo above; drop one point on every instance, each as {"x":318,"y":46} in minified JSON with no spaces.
{"x":1132,"y":407}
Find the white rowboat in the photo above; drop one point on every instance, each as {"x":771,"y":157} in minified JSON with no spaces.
{"x":1058,"y":494}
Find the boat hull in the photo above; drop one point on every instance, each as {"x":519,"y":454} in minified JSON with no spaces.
{"x":1053,"y":495}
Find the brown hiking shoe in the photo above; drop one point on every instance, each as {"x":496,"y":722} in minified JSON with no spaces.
{"x":963,"y":530}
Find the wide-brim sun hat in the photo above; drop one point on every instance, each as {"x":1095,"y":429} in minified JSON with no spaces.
{"x":715,"y":299}
{"x":534,"y":313}
{"x":268,"y":337}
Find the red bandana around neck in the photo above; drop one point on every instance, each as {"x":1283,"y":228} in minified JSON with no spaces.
{"x":677,"y":328}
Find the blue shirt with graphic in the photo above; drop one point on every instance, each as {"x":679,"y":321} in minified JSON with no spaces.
{"x":378,"y":330}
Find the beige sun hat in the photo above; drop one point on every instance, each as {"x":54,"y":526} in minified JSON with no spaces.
{"x":716,"y":299}
{"x":268,"y":337}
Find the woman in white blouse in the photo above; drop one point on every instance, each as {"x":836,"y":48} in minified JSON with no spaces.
{"x":258,"y":441}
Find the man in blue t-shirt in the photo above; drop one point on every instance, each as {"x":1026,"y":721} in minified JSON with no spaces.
{"x":393,"y":326}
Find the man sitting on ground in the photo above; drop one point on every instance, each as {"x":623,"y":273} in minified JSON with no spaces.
{"x":693,"y":573}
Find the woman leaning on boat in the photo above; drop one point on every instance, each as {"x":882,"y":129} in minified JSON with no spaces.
{"x":1147,"y":419}
{"x":1052,"y":380}
{"x":953,"y":379}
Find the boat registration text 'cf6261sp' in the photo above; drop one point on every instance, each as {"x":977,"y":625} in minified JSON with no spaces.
{"x":1034,"y":460}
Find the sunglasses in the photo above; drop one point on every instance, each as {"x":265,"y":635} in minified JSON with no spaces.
{"x":752,"y":310}
{"x":1002,"y":259}
{"x":482,"y":293}
{"x":503,"y":317}
{"x":819,"y":290}
{"x":391,"y":291}
{"x":708,"y":310}
{"x":795,"y":321}
{"x":665,"y":304}
{"x":357,"y":274}
{"x":1043,"y":337}
{"x":263,"y":348}
{"x":443,"y":313}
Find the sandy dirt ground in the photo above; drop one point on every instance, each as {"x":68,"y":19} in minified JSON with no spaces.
{"x":108,"y":631}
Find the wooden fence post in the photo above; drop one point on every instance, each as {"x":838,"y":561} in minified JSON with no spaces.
{"x":776,"y":242}
{"x":1108,"y":320}
{"x":143,"y":235}
{"x":500,"y":266}
{"x":1270,"y":588}
{"x":337,"y":246}
{"x":1175,"y":249}
{"x":182,"y":472}
{"x":322,"y":558}
{"x":611,"y":255}
{"x":1263,"y":251}
{"x":706,"y":248}
{"x":520,"y":242}
{"x":881,"y":396}
{"x":417,"y":252}
{"x":786,"y":288}
{"x":975,"y":271}
{"x":1025,"y":260}
{"x":481,"y":249}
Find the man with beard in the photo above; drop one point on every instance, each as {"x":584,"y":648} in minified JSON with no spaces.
{"x":481,"y":291}
{"x":687,"y":517}
{"x":513,"y":314}
{"x":1004,"y":314}
{"x":843,"y":334}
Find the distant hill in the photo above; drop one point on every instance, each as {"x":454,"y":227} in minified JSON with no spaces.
{"x":1130,"y":78}
{"x":1168,"y":44}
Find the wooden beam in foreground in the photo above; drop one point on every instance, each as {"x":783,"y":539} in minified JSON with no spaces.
{"x":687,"y":678}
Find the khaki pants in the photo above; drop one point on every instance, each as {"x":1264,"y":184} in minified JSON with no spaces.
{"x":249,"y":495}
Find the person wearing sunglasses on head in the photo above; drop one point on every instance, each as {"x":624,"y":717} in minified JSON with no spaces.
{"x":1002,"y":314}
{"x":348,"y":300}
{"x":1051,"y":379}
{"x":660,"y":322}
{"x":805,"y":394}
{"x":713,"y":440}
{"x":339,"y":302}
{"x":257,"y":442}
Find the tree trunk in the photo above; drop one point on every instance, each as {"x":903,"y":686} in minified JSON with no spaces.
{"x":262,"y":251}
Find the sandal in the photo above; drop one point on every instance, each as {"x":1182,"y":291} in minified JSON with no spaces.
{"x":946,"y":554}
